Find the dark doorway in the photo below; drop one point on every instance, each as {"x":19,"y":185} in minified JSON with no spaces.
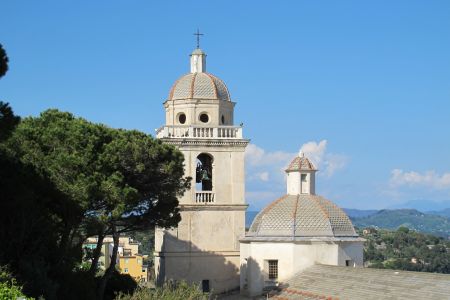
{"x":205,"y":286}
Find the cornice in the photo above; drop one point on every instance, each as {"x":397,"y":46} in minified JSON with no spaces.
{"x":206,"y":142}
{"x":221,"y":207}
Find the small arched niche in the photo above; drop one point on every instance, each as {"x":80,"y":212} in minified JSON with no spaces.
{"x":204,"y":172}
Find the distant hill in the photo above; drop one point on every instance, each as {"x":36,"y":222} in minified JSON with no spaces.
{"x":359,"y":213}
{"x":444,"y":212}
{"x":437,"y":223}
{"x":422,"y":205}
{"x":411,"y":218}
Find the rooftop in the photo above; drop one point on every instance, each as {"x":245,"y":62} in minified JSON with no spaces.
{"x":199,"y":86}
{"x":334,"y":282}
{"x":302,"y":215}
{"x":301,"y":163}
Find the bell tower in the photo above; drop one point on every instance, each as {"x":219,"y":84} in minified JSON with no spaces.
{"x":204,"y":248}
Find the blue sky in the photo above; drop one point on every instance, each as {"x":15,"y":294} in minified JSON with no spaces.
{"x":362,"y":86}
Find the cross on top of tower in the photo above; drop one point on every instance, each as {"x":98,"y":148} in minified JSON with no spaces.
{"x":198,"y":34}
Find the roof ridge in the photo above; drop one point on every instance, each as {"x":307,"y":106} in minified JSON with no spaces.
{"x":211,"y":77}
{"x":224,"y":84}
{"x":294,"y":216}
{"x":324,"y":211}
{"x":193,"y":84}
{"x":340,"y":212}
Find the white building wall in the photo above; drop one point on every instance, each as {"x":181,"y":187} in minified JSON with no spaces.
{"x":296,"y":186}
{"x":353,"y":252}
{"x":293,"y":183}
{"x":292,"y":258}
{"x":205,"y":246}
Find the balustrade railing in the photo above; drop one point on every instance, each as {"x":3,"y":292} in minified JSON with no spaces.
{"x":204,"y":197}
{"x":220,"y":132}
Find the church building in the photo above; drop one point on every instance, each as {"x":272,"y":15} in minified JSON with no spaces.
{"x":204,"y":248}
{"x":296,"y":231}
{"x":301,"y":246}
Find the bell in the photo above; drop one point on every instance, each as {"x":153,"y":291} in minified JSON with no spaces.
{"x":205,"y":175}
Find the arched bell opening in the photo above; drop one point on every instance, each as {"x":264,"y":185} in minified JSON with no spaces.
{"x":203,"y":172}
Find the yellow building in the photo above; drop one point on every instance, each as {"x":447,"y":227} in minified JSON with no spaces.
{"x":127,"y":247}
{"x":134,"y":266}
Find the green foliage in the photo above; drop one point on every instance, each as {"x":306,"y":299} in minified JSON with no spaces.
{"x":10,"y":291}
{"x":78,"y":284}
{"x":65,"y":179}
{"x":33,"y":218}
{"x":182,"y":290}
{"x":119,"y":283}
{"x":8,"y":121}
{"x":146,"y":240}
{"x":3,"y":61}
{"x":405,"y":249}
{"x":8,"y":286}
{"x":410,"y":218}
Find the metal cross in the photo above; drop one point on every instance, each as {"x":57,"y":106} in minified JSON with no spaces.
{"x":198,"y":34}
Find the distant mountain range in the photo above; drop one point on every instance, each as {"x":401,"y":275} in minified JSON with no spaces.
{"x":433,"y":222}
{"x":394,"y":218}
{"x":359,"y":213}
{"x":444,"y":212}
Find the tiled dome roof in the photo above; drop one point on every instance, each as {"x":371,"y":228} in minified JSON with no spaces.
{"x":301,"y":163}
{"x":199,"y":86}
{"x":302,"y":216}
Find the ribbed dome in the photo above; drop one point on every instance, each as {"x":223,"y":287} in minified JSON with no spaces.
{"x":199,"y":86}
{"x":301,"y":163}
{"x":302,"y":216}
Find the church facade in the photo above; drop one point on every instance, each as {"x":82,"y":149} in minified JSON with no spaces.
{"x":299,"y":246}
{"x":204,"y":248}
{"x":295,"y":232}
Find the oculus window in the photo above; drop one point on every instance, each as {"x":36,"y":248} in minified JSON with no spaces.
{"x":182,"y":118}
{"x":204,"y":118}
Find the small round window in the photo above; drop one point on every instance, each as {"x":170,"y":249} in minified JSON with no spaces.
{"x":223,"y":119}
{"x":204,"y":118}
{"x":182,"y":118}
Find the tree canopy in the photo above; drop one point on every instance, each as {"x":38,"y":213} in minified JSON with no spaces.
{"x":406,"y":249}
{"x":3,"y":61}
{"x":86,"y":179}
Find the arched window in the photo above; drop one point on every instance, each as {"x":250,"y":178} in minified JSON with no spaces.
{"x":203,"y":174}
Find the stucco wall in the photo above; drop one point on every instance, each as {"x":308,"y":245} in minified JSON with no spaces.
{"x":223,"y":273}
{"x":292,"y":258}
{"x":228,"y":174}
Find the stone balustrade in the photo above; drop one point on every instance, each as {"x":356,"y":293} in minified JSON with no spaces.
{"x":204,"y":197}
{"x":203,"y":132}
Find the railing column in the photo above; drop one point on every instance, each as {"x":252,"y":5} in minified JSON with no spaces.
{"x":220,"y":132}
{"x":239,"y":133}
{"x":204,"y":197}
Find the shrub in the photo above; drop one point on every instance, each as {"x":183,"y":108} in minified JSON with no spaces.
{"x":8,"y":286}
{"x":182,"y":290}
{"x":77,"y":285}
{"x":10,"y":291}
{"x":119,"y":284}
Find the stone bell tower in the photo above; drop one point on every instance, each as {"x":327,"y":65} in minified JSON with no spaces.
{"x":204,"y":248}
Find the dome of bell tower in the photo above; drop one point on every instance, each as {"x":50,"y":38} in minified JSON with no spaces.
{"x":199,"y":84}
{"x":199,"y":98}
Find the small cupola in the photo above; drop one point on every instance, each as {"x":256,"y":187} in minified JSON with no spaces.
{"x":301,"y":176}
{"x":198,"y":61}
